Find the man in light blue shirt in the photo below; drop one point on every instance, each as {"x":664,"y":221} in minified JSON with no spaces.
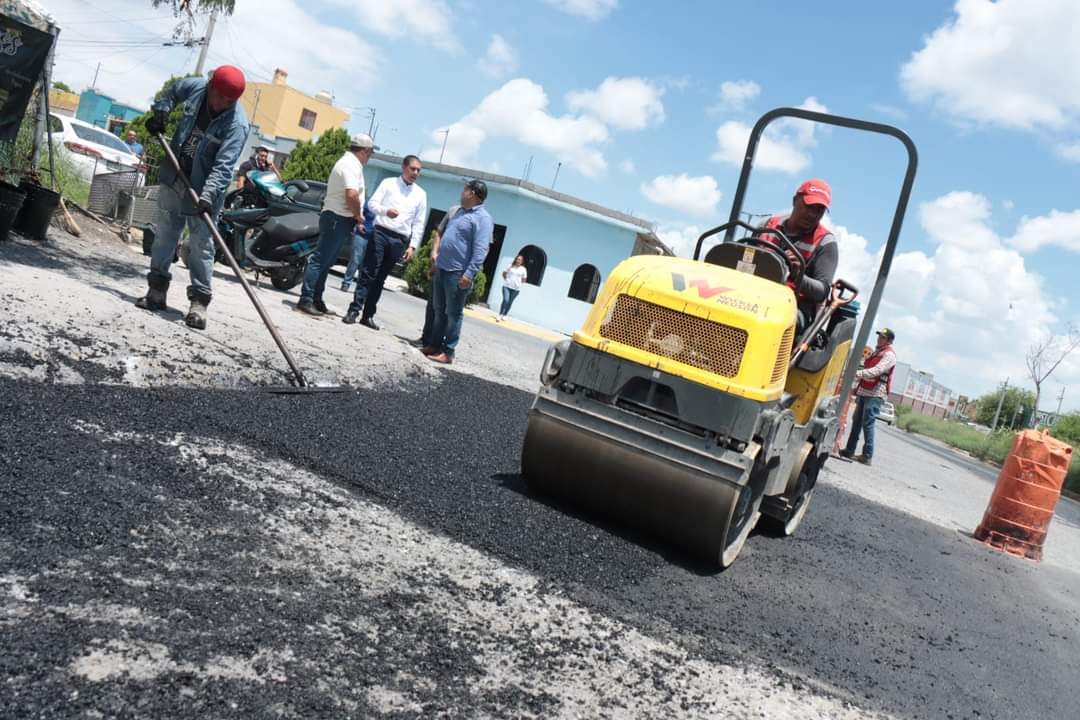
{"x":462,"y":250}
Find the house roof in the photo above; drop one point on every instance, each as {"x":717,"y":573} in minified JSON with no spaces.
{"x":646,"y":229}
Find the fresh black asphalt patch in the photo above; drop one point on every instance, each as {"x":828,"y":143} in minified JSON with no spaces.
{"x":876,"y":607}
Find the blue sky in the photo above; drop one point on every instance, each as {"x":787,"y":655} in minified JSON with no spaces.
{"x":647,"y":105}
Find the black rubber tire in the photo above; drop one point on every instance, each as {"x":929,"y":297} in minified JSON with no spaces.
{"x":782,"y":518}
{"x":287,"y":278}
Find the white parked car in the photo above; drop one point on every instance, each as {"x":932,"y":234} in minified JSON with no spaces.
{"x":92,"y":149}
{"x":888,"y":413}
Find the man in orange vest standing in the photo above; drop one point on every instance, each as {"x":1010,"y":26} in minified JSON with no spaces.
{"x":817,"y":246}
{"x":875,"y":380}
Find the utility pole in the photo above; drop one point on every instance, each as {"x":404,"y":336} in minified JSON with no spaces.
{"x":206,"y":43}
{"x":255,"y":109}
{"x":1001,"y":399}
{"x":371,"y":125}
{"x":1060,"y":398}
{"x":94,"y":84}
{"x":555,"y":179}
{"x":446,"y":136}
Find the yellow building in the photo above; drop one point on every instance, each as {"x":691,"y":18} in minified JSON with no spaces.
{"x":63,"y":103}
{"x":282,"y":111}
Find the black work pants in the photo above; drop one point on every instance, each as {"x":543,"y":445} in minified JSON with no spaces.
{"x":382,"y":254}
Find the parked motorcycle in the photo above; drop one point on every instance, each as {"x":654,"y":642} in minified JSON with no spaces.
{"x":280,"y":246}
{"x":263,"y":191}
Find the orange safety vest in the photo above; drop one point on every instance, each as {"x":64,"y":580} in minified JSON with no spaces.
{"x":806,"y":249}
{"x":871,"y":384}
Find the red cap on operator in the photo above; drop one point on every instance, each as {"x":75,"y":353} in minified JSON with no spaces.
{"x":229,"y":81}
{"x":815,"y":192}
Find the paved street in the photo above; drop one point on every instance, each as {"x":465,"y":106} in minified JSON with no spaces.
{"x":184,"y":547}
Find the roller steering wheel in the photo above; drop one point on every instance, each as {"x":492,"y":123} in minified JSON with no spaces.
{"x":795,"y":270}
{"x":785,"y":244}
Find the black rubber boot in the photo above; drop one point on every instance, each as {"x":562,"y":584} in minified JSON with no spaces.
{"x":196,"y":317}
{"x":156,"y":294}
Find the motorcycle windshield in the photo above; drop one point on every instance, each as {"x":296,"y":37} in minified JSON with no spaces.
{"x":267,"y":182}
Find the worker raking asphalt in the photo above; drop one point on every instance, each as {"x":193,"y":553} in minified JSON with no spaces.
{"x":192,"y":553}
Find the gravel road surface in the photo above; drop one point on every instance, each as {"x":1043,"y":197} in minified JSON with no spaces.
{"x":190,"y":550}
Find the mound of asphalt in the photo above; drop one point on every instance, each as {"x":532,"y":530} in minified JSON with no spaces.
{"x":874,"y":606}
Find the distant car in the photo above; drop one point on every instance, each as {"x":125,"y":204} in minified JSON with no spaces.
{"x":888,"y":413}
{"x":92,"y":149}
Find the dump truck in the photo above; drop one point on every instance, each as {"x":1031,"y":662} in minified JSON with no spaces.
{"x":685,"y":408}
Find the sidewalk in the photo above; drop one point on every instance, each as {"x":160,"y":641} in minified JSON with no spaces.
{"x":480,"y":312}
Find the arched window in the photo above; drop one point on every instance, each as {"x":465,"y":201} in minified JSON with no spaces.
{"x":586,"y":284}
{"x":535,"y":263}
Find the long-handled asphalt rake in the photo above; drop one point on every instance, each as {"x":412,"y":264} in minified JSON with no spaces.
{"x":301,"y":383}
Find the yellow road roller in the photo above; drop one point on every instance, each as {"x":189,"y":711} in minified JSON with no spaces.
{"x":685,"y":407}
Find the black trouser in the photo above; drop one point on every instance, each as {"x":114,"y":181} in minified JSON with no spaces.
{"x":383,"y":252}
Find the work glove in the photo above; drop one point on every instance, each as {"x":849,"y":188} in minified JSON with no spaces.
{"x":156,"y":124}
{"x":205,"y":205}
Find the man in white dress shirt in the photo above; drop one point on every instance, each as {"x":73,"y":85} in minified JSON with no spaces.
{"x":342,"y":213}
{"x":400,"y":207}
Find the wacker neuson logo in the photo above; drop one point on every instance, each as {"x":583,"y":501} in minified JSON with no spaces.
{"x":709,"y":291}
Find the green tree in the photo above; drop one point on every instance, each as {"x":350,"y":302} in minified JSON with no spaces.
{"x":419,"y":282}
{"x":1067,"y":428}
{"x":1010,"y":417}
{"x":64,"y":87}
{"x":154,"y":154}
{"x":225,"y":6}
{"x":315,"y":160}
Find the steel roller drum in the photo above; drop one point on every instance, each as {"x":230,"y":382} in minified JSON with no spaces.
{"x":673,"y":503}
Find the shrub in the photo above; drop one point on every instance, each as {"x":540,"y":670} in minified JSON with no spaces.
{"x":416,"y":275}
{"x":315,"y":160}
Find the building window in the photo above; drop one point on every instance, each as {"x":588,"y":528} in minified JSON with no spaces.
{"x":586,"y":284}
{"x":307,"y":119}
{"x":535,"y":263}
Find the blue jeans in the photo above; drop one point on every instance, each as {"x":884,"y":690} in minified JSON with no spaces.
{"x":381,"y":255}
{"x":333,"y":229}
{"x":200,"y":245}
{"x":429,"y":319}
{"x":448,"y":306}
{"x":356,"y":259}
{"x":508,"y":299}
{"x":867,"y":410}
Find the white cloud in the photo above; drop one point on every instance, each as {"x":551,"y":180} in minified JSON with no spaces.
{"x":500,"y":59}
{"x":429,"y":20}
{"x":692,"y":195}
{"x":1068,"y":151}
{"x":734,"y":94}
{"x":628,"y":167}
{"x":772,"y":154}
{"x":1057,"y":228}
{"x":588,"y":9}
{"x":980,"y":291}
{"x":680,"y":238}
{"x":625,"y":103}
{"x":784,"y":146}
{"x":518,"y":110}
{"x":1011,"y":63}
{"x":341,"y":59}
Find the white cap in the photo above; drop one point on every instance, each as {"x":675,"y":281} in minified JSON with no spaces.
{"x":362,"y":140}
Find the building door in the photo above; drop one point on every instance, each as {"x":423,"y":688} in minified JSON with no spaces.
{"x":491,"y":262}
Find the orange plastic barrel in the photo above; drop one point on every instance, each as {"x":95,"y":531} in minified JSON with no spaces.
{"x":1029,"y":485}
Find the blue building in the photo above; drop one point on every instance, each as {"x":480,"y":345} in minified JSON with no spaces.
{"x":104,"y":111}
{"x":570,"y":245}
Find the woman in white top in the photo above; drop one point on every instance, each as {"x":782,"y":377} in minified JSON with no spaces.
{"x":513,"y":278}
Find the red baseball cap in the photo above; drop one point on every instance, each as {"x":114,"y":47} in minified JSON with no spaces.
{"x":229,"y":81}
{"x":815,"y":192}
